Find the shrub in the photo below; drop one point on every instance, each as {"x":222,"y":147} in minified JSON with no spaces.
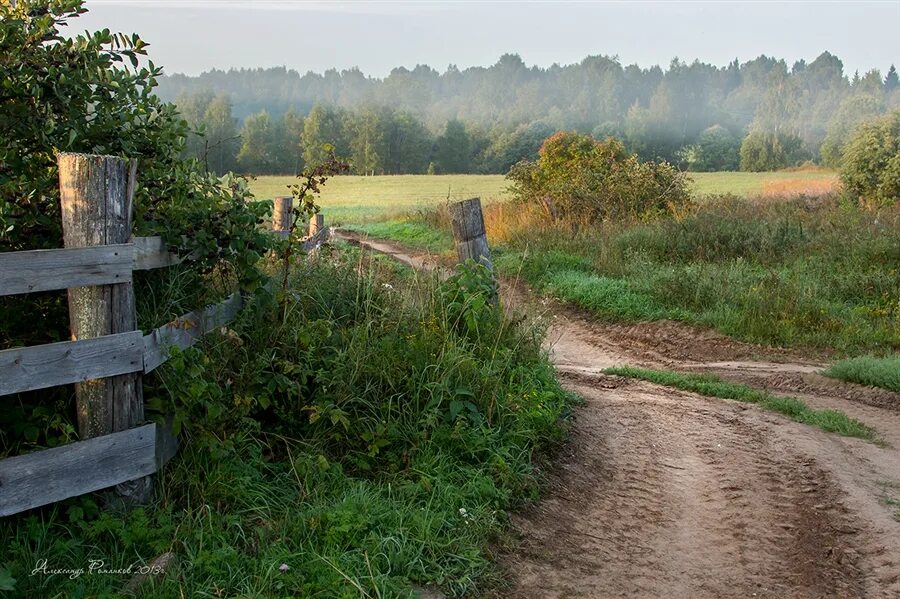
{"x":871,"y":167}
{"x":90,"y":94}
{"x":598,"y":180}
{"x":770,"y":151}
{"x":716,"y":150}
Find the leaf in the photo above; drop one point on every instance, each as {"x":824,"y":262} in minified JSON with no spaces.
{"x":456,"y":407}
{"x":7,"y":582}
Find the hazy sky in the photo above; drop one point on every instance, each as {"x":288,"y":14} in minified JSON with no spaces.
{"x":191,"y":36}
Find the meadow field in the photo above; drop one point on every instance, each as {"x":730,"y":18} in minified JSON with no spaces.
{"x":737,"y":266}
{"x":355,"y":199}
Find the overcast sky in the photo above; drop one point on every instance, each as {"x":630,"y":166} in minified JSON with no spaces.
{"x":190,"y":36}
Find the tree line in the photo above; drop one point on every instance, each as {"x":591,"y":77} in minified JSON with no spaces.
{"x":756,"y":115}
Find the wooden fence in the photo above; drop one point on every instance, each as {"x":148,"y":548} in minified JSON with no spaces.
{"x":107,"y":356}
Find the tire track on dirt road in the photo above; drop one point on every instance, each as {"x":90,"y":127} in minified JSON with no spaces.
{"x":662,"y":493}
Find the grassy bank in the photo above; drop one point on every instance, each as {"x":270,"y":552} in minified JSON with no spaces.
{"x":368,"y":437}
{"x":355,"y":199}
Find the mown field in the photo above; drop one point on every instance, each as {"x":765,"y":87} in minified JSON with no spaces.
{"x":353,"y":199}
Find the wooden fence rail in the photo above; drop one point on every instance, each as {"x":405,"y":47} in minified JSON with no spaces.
{"x":116,"y":448}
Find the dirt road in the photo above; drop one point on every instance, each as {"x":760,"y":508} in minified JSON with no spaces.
{"x":662,"y":493}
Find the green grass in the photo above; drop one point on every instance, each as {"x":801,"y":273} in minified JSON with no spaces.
{"x":412,"y":233}
{"x":356,"y":199}
{"x":869,"y":370}
{"x":370,"y":437}
{"x":831,"y":421}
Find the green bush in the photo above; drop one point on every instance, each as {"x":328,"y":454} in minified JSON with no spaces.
{"x":717,"y":149}
{"x":771,"y":151}
{"x":871,"y":166}
{"x":594,"y":180}
{"x":90,"y":94}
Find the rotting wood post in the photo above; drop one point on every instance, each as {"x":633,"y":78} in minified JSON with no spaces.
{"x":96,"y":198}
{"x":282,"y":213}
{"x":316,"y":224}
{"x":469,"y":233}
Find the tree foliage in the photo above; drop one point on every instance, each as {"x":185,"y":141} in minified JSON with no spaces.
{"x":717,"y":149}
{"x":454,"y":149}
{"x":770,"y":151}
{"x":579,"y":177}
{"x":90,"y":94}
{"x":871,"y":164}
{"x":656,"y":111}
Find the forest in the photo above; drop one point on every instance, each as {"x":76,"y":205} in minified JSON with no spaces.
{"x":755,"y":116}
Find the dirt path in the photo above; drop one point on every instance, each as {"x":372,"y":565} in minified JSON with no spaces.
{"x":662,"y":493}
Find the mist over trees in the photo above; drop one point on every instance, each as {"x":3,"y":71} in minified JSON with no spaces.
{"x":757,"y":115}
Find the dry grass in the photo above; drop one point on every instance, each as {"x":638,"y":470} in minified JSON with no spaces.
{"x":791,"y":188}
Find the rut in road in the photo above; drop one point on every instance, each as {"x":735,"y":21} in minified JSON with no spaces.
{"x":661,"y":493}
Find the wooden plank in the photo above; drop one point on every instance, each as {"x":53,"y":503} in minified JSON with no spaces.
{"x":151,"y":252}
{"x":47,"y":270}
{"x":36,"y":479}
{"x":166,"y":443}
{"x":42,"y":366}
{"x":184,"y":331}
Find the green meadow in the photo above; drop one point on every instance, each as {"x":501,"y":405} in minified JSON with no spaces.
{"x":353,"y":199}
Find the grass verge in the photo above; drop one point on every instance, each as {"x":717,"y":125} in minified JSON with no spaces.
{"x":365,"y":435}
{"x":868,"y":370}
{"x":831,"y":421}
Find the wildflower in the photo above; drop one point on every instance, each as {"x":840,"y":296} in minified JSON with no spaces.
{"x":284,"y":567}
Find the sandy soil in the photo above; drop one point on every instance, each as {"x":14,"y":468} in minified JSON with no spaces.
{"x":662,"y":493}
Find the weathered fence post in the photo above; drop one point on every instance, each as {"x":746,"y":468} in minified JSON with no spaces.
{"x":96,"y":196}
{"x":469,"y":233}
{"x":316,"y":224}
{"x":282,"y":213}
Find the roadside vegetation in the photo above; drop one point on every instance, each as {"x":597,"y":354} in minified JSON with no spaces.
{"x":817,"y":272}
{"x":868,"y":370}
{"x":372,"y":437}
{"x":356,"y":431}
{"x":831,"y":421}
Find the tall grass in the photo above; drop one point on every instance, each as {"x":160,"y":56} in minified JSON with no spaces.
{"x":803,"y":272}
{"x":370,"y":438}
